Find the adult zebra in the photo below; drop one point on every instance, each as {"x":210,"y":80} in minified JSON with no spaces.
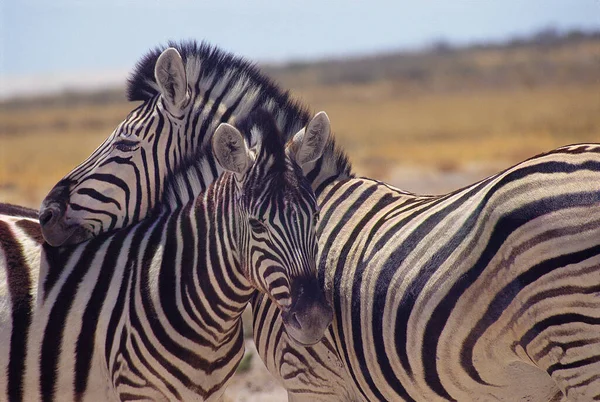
{"x":486,"y":293}
{"x":162,"y":148}
{"x":153,"y":311}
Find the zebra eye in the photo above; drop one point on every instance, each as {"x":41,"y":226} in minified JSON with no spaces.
{"x":126,"y":145}
{"x":316,"y":218}
{"x":257,"y":226}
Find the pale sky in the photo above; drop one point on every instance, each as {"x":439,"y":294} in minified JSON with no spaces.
{"x":67,"y":38}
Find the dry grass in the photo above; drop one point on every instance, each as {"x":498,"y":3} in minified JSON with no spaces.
{"x":378,"y":125}
{"x":38,"y":147}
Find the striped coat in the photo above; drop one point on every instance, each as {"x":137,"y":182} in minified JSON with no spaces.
{"x":153,"y":312}
{"x":487,"y":293}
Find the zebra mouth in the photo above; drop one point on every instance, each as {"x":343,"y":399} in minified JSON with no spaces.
{"x":309,"y":316}
{"x":78,"y":235}
{"x":60,"y":235}
{"x":306,"y":329}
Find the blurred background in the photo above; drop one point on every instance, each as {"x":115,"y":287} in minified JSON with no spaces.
{"x":427,"y":95}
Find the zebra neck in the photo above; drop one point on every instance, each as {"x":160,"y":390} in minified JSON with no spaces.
{"x":186,"y":185}
{"x":218,"y":272}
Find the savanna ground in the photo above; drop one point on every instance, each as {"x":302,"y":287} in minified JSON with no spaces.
{"x":428,"y":122}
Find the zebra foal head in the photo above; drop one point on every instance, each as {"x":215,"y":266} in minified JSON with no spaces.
{"x":278,"y":213}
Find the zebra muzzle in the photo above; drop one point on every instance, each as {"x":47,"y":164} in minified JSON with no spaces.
{"x":309,"y":315}
{"x":55,"y":230}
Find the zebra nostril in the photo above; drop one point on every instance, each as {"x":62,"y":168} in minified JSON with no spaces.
{"x":47,"y":215}
{"x":295,"y":321}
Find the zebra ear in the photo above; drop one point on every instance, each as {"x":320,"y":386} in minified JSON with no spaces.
{"x":308,"y":144}
{"x":230,"y":149}
{"x":169,"y":73}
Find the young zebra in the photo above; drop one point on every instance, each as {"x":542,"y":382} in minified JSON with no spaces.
{"x":486,"y":293}
{"x":159,"y":157}
{"x":153,"y":311}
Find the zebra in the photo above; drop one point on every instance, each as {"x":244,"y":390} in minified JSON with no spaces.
{"x":487,"y":293}
{"x":153,"y":311}
{"x":186,"y":90}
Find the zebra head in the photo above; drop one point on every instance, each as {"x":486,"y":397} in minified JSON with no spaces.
{"x":186,"y":90}
{"x":278,"y":214}
{"x":105,"y":191}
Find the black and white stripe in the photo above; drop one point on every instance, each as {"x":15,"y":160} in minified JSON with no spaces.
{"x":152,"y":311}
{"x":20,"y":247}
{"x":486,"y":293}
{"x":159,"y":157}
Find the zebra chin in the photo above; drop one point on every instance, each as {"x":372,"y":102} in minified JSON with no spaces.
{"x":309,"y":315}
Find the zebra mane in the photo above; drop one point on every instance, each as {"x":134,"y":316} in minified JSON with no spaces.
{"x":142,"y":86}
{"x":264,"y":135}
{"x":204,"y":65}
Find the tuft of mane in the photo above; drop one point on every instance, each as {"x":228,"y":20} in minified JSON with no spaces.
{"x":261,"y":131}
{"x":262,"y":124}
{"x":142,"y":86}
